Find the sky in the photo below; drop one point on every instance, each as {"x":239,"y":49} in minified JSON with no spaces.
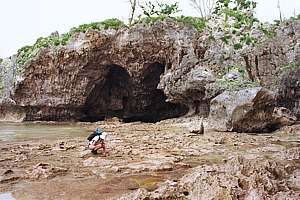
{"x":23,"y":21}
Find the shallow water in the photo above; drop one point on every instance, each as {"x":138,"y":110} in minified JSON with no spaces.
{"x":6,"y":196}
{"x":28,"y":131}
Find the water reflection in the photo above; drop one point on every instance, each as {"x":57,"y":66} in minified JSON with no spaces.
{"x":22,"y":131}
{"x":6,"y":196}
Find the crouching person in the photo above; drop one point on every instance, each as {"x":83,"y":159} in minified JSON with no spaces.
{"x":97,"y":141}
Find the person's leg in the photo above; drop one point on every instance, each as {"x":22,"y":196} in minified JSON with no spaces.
{"x":101,"y":145}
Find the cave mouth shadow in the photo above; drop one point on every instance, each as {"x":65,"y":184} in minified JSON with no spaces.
{"x":116,"y":95}
{"x":154,"y":107}
{"x":109,"y":96}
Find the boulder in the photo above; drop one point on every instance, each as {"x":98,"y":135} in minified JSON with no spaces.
{"x":289,"y":91}
{"x":10,"y":112}
{"x":248,"y":110}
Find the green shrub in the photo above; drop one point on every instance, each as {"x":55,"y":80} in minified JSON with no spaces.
{"x":197,"y":22}
{"x":148,"y":20}
{"x":289,"y":66}
{"x":27,"y":52}
{"x":235,"y":84}
{"x":159,"y":9}
{"x":240,"y":82}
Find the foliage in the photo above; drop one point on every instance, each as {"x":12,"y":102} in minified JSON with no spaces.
{"x":296,"y":17}
{"x":159,"y":9}
{"x":237,"y":23}
{"x":204,"y":7}
{"x":237,"y":83}
{"x":288,"y":67}
{"x":197,"y":22}
{"x":149,"y":20}
{"x":1,"y":60}
{"x":27,"y":52}
{"x":269,"y":32}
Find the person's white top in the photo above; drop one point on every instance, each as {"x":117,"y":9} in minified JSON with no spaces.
{"x":97,"y":137}
{"x":94,"y":140}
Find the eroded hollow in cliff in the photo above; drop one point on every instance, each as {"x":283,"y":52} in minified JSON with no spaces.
{"x":117,"y":94}
{"x":109,"y":96}
{"x":150,"y":101}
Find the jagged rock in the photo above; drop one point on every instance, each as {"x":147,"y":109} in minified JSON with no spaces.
{"x":283,"y":116}
{"x":247,"y":110}
{"x":11,"y":113}
{"x":155,"y":162}
{"x":197,"y":128}
{"x":237,"y":178}
{"x":147,"y":73}
{"x":44,"y":170}
{"x":289,"y":91}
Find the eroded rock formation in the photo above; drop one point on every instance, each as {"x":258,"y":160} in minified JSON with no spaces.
{"x":146,"y":72}
{"x":248,"y":110}
{"x":110,"y":73}
{"x":289,"y":91}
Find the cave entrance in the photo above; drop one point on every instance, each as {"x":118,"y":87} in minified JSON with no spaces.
{"x":152,"y":105}
{"x":116,"y":94}
{"x":109,"y":97}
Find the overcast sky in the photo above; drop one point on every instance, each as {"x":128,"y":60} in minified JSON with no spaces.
{"x":23,"y":21}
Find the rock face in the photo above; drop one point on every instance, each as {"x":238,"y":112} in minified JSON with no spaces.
{"x":289,"y":91}
{"x":265,"y":60}
{"x":134,"y":74}
{"x":146,"y":72}
{"x":10,"y":112}
{"x":9,"y":75}
{"x":248,"y":110}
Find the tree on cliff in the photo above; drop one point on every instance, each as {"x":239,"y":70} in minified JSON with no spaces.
{"x":133,"y":4}
{"x":204,"y":7}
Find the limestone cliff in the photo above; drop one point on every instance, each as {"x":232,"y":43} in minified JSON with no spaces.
{"x":147,"y":72}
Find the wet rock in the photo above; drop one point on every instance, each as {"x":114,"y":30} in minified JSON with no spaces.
{"x":44,"y":170}
{"x":237,"y":178}
{"x":96,"y":162}
{"x":9,"y":180}
{"x":84,"y":153}
{"x":284,"y":116}
{"x":9,"y":171}
{"x":291,"y":129}
{"x":154,"y":162}
{"x":247,"y":110}
{"x":9,"y":112}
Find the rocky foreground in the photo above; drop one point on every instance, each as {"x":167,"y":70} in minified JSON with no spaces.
{"x":155,"y":161}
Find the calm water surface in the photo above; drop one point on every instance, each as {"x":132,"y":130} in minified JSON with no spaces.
{"x":24,"y":131}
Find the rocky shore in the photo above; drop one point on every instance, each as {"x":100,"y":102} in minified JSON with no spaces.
{"x":177,"y":80}
{"x":155,"y":161}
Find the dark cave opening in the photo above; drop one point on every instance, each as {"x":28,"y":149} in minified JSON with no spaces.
{"x":153,"y":107}
{"x":115,"y":95}
{"x":109,"y":96}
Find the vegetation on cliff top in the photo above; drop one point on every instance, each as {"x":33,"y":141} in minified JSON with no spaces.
{"x":27,"y":52}
{"x":232,"y":22}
